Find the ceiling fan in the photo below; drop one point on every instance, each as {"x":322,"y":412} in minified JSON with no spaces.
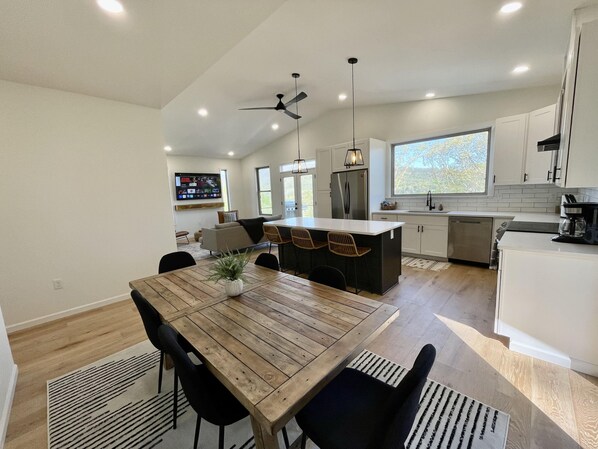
{"x":283,"y":106}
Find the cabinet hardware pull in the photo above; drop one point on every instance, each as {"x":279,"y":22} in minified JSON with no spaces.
{"x":548,"y":175}
{"x":525,"y":177}
{"x":422,"y":229}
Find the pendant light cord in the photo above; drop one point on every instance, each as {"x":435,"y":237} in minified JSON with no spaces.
{"x":353,"y":99}
{"x":297,"y":112}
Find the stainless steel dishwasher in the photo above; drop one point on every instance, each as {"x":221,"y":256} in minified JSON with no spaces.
{"x":470,"y":239}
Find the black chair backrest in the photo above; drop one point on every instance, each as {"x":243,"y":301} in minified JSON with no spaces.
{"x":202,"y":389}
{"x":268,"y":261}
{"x":402,"y":405}
{"x":149,"y":316}
{"x":174,"y":261}
{"x":330,"y":276}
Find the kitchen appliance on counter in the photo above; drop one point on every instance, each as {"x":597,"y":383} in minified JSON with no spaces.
{"x":349,"y":193}
{"x":470,"y":239}
{"x":580,"y":224}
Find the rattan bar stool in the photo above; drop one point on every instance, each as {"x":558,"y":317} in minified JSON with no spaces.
{"x":272,"y":233}
{"x":302,"y":239}
{"x":343,"y":244}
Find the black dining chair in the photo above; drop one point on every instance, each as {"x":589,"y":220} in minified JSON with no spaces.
{"x":151,"y":323}
{"x":358,"y":411}
{"x":174,"y":261}
{"x":268,"y":261}
{"x":206,"y":395}
{"x":329,"y":276}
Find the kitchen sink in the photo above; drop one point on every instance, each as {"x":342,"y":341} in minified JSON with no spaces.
{"x":428,"y":211}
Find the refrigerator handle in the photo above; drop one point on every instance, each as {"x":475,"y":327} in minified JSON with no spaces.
{"x":347,"y":204}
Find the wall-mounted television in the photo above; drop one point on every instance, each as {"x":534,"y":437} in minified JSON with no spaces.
{"x":197,"y":186}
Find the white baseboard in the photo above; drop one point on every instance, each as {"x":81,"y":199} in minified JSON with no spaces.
{"x":541,"y":354}
{"x":584,"y":367}
{"x":5,"y":412}
{"x":64,"y":313}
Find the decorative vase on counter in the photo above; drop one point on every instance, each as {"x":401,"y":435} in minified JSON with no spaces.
{"x":233,"y":288}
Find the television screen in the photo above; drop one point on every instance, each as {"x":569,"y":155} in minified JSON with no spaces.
{"x":197,"y":186}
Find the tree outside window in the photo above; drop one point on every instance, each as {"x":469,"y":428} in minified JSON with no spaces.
{"x":264,"y":190}
{"x":451,"y":164}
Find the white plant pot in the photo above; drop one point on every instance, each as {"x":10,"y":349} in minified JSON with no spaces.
{"x":233,"y":288}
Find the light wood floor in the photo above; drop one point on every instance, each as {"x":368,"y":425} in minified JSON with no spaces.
{"x":550,"y":407}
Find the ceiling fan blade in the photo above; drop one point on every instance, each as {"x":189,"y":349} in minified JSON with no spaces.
{"x":254,"y":109}
{"x":299,"y":97}
{"x":292,"y":115}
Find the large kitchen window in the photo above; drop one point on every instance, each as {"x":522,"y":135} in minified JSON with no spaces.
{"x":451,"y":164}
{"x":264,"y":190}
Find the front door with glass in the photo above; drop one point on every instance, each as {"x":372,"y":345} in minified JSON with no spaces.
{"x":298,"y":195}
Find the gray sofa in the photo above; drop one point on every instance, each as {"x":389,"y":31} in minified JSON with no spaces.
{"x":229,"y":236}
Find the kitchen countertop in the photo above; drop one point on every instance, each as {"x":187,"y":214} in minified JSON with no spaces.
{"x":360,"y":227}
{"x":515,"y":216}
{"x":529,"y":241}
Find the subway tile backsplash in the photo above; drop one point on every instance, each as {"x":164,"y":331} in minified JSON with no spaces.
{"x":516,"y":198}
{"x":589,"y":195}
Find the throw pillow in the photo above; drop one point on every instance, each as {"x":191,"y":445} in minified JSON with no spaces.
{"x":230,"y":217}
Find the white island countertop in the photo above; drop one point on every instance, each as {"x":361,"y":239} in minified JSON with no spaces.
{"x":359,"y":227}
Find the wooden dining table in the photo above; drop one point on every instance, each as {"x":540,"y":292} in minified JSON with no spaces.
{"x":277,"y":344}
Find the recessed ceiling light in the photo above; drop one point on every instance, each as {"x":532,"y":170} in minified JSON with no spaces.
{"x":508,"y":8}
{"x":231,"y":153}
{"x":167,"y":148}
{"x":430,"y":95}
{"x":203,"y":112}
{"x":521,"y":69}
{"x":274,"y":126}
{"x":342,"y":97}
{"x":113,"y":6}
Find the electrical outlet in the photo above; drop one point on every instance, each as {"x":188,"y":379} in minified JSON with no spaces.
{"x":57,"y":284}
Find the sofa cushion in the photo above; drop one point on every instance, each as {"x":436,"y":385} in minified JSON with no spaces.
{"x":229,"y":217}
{"x":226,"y":225}
{"x":274,"y":217}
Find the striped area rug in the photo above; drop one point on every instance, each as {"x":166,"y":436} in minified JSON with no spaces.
{"x":424,"y":264}
{"x":113,"y":403}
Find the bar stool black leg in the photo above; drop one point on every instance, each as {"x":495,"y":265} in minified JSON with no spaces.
{"x":355,"y":272}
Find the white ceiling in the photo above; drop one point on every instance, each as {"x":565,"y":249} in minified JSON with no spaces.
{"x":224,"y":55}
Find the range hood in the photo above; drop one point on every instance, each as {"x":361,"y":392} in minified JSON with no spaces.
{"x":550,"y":144}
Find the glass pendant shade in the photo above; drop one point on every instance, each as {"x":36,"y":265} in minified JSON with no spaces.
{"x":354,"y":157}
{"x":299,"y":166}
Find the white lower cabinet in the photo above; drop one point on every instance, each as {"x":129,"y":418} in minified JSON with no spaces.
{"x":424,"y":235}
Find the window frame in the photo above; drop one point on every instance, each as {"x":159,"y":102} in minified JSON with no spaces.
{"x":226,"y":200}
{"x":489,"y":152}
{"x":259,"y":190}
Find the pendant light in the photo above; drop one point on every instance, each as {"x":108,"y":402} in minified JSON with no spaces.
{"x":298,"y":164}
{"x":354,"y":157}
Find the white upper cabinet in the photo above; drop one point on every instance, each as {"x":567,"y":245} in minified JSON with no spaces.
{"x":582,"y":158}
{"x":541,"y":125}
{"x":340,"y":151}
{"x":509,"y":149}
{"x":516,"y":156}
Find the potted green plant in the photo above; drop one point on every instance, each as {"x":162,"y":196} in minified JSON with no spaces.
{"x":229,"y":267}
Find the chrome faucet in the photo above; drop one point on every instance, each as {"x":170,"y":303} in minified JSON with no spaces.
{"x":429,"y":204}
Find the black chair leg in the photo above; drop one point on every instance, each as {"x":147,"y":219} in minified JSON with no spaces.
{"x":221,"y":438}
{"x":355,"y":272}
{"x":270,"y":249}
{"x":160,"y":372}
{"x":303,"y":440}
{"x":175,"y":399}
{"x":285,"y":437}
{"x":296,"y":260}
{"x":197,"y":426}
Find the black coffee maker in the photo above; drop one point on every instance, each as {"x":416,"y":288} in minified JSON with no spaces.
{"x":580,"y":224}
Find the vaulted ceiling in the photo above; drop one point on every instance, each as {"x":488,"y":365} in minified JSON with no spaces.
{"x":223,"y":55}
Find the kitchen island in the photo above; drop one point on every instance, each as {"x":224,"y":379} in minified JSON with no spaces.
{"x":379,"y":270}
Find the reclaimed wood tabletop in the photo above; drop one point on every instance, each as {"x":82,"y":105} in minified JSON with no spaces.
{"x":279,"y":343}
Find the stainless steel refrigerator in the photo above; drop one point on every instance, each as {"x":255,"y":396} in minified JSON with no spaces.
{"x":349,"y":191}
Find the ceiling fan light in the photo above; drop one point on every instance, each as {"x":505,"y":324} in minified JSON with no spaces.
{"x":354,"y":157}
{"x":299,"y":166}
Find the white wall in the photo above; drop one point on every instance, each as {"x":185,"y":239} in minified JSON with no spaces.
{"x":8,"y":380}
{"x":391,"y":123}
{"x":84,"y":194}
{"x":194,"y":219}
